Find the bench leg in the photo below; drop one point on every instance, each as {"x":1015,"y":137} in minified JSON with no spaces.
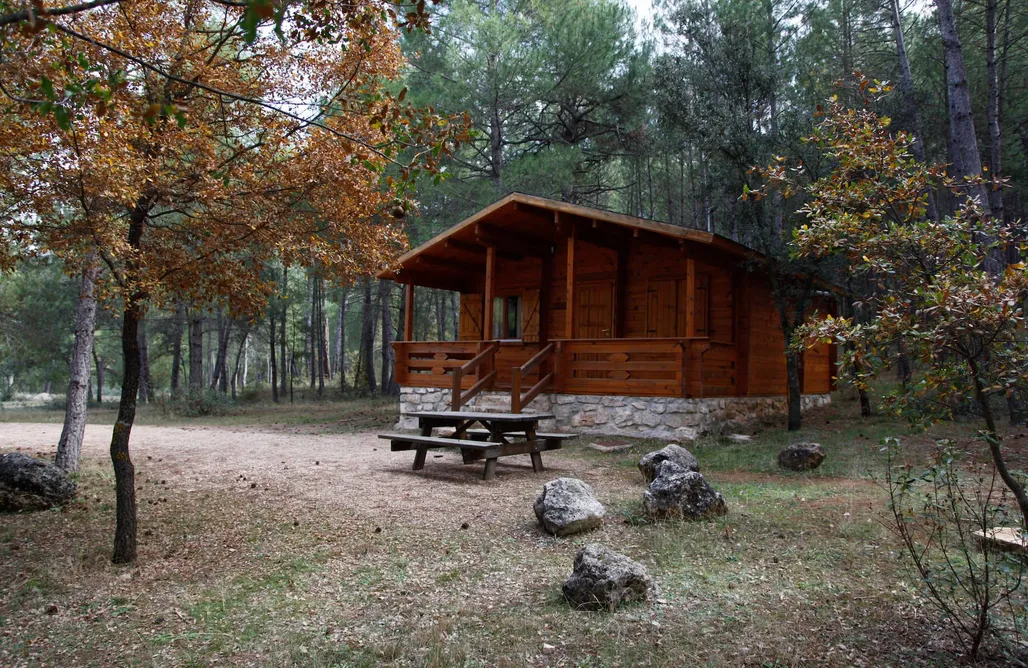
{"x":490,"y":469}
{"x":419,"y":458}
{"x":537,"y":462}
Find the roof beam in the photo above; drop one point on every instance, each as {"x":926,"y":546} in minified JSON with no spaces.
{"x":478,"y":250}
{"x":513,"y":241}
{"x":430,"y":262}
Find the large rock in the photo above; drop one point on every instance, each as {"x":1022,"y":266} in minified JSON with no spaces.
{"x":679,"y":493}
{"x":674,"y":453}
{"x":603,"y":579}
{"x":801,"y":456}
{"x":567,"y":506}
{"x":27,"y":483}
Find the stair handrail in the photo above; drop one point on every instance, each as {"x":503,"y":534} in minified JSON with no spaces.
{"x":517,"y":400}
{"x":459,"y":398}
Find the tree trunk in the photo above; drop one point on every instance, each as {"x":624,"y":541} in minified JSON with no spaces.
{"x":219,"y":378}
{"x":308,"y":345}
{"x":910,"y":96}
{"x":69,"y":447}
{"x":101,"y":366}
{"x":124,"y":471}
{"x":440,"y":316}
{"x":993,"y":439}
{"x":341,"y":340}
{"x":146,"y":393}
{"x":284,"y":366}
{"x":176,"y":347}
{"x":794,"y":372}
{"x":318,"y":338}
{"x":367,"y":349}
{"x":239,"y":355}
{"x":385,"y":290}
{"x":454,"y":315}
{"x":965,"y":157}
{"x":271,"y":346}
{"x":993,"y":111}
{"x":196,"y":352}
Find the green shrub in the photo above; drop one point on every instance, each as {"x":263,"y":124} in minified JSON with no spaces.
{"x":203,"y":403}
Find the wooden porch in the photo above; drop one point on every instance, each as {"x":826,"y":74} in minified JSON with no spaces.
{"x":668,"y":367}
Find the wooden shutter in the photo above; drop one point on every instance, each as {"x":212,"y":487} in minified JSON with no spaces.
{"x":530,"y":316}
{"x":702,"y":304}
{"x":661,"y":308}
{"x":471,"y":317}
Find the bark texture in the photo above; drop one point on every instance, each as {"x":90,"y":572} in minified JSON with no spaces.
{"x":69,"y":447}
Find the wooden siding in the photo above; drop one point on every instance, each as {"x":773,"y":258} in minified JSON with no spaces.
{"x":629,"y":291}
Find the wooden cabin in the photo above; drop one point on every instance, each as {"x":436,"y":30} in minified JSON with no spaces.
{"x":560,"y":299}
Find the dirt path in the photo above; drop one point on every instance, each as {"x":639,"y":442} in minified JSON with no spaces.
{"x":351,"y":470}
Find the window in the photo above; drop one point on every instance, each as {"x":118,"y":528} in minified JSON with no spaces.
{"x":507,"y":317}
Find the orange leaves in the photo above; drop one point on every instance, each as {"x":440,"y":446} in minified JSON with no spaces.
{"x":224,"y":185}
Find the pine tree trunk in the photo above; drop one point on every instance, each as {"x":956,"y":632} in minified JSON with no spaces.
{"x":965,"y":157}
{"x":440,"y":317}
{"x":318,"y":339}
{"x":219,"y":377}
{"x":146,"y":393}
{"x":454,"y":315}
{"x":284,"y":365}
{"x":101,"y":366}
{"x":993,"y":111}
{"x":909,"y":95}
{"x":341,"y":340}
{"x":69,"y":447}
{"x":196,"y":352}
{"x":239,"y":355}
{"x":367,"y":351}
{"x":385,"y":289}
{"x":271,"y":347}
{"x":308,"y":344}
{"x":176,"y":347}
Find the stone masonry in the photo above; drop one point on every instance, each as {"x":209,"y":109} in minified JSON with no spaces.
{"x":646,"y":417}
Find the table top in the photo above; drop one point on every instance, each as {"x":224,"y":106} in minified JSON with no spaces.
{"x":458,"y":416}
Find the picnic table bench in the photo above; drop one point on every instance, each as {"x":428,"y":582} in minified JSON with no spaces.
{"x":501,"y":435}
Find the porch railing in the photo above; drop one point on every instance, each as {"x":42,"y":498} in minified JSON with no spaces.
{"x":634,"y":367}
{"x":671,"y":367}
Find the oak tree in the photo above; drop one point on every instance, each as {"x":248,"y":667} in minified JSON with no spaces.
{"x":188,"y":144}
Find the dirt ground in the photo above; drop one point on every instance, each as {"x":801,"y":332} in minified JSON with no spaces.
{"x":351,"y":470}
{"x":280,"y":544}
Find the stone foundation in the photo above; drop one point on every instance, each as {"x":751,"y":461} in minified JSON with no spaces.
{"x":645,"y":417}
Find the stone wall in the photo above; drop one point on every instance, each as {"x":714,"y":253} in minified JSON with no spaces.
{"x":648,"y":417}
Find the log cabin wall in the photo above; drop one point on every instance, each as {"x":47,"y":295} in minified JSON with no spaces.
{"x":640,"y":291}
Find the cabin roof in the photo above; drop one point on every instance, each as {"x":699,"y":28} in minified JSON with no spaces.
{"x":521,"y":225}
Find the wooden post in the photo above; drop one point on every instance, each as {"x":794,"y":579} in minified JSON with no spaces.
{"x":690,"y":298}
{"x":569,"y":315}
{"x":408,"y":313}
{"x":490,"y":281}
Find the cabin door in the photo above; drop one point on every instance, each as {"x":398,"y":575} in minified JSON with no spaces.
{"x":594,"y":310}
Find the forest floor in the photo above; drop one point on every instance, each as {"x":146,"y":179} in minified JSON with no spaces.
{"x":297,"y":543}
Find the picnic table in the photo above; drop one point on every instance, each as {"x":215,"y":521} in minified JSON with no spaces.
{"x":501,"y":435}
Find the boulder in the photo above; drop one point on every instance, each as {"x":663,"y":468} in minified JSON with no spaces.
{"x":672,"y":452}
{"x":679,"y":493}
{"x":801,"y":456}
{"x":27,"y":483}
{"x":603,"y":579}
{"x":568,"y":506}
